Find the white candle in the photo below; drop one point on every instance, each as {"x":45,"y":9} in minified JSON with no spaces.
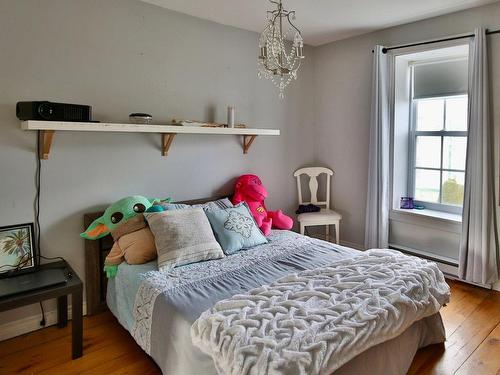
{"x":230,"y":117}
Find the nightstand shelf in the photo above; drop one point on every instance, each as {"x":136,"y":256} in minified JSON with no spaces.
{"x":73,"y":286}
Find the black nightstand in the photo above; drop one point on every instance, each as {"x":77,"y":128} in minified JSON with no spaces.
{"x":73,"y":286}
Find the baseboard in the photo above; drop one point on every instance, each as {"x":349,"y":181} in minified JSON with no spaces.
{"x":496,"y":286}
{"x":485,"y":286}
{"x":427,"y":255}
{"x":31,"y":323}
{"x":446,"y":265}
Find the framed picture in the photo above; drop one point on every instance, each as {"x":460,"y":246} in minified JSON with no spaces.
{"x":18,"y":252}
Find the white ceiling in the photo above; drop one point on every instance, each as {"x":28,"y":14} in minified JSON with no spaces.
{"x":321,"y":21}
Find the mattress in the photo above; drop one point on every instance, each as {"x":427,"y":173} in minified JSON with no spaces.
{"x":197,"y":287}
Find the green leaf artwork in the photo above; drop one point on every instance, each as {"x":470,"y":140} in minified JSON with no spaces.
{"x":15,"y":246}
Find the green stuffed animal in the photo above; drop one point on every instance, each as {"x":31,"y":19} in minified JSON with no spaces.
{"x":118,"y":213}
{"x":115,"y":215}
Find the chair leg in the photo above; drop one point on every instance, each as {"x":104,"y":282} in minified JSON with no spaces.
{"x":302,"y":229}
{"x":337,"y":232}
{"x":327,"y":233}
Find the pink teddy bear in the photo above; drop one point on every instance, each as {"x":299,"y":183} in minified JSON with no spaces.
{"x":249,"y":189}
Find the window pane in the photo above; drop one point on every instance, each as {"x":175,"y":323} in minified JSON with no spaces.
{"x":430,"y":114}
{"x":454,"y":151}
{"x":427,"y":185}
{"x":456,"y":113}
{"x":453,"y":188}
{"x":428,"y":152}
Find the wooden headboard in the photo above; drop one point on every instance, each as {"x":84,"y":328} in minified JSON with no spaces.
{"x":95,"y":253}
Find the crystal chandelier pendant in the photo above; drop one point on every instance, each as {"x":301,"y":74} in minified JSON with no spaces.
{"x":281,"y":48}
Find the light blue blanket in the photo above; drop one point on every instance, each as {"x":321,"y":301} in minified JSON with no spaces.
{"x":211,"y":281}
{"x":123,"y":288}
{"x":159,"y":308}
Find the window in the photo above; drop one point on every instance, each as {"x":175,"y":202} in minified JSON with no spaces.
{"x":437,"y":152}
{"x":429,"y":127}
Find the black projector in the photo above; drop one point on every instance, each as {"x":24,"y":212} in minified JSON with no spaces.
{"x":48,"y":111}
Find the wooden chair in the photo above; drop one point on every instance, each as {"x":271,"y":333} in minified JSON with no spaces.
{"x":326,"y":216}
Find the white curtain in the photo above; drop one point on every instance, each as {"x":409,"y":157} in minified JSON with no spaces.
{"x":377,"y":203}
{"x":478,"y":261}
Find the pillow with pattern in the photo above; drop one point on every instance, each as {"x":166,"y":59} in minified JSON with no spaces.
{"x":212,"y":205}
{"x":235,"y":228}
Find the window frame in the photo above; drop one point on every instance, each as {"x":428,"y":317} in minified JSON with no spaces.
{"x":412,"y":150}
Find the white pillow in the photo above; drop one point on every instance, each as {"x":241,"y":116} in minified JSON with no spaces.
{"x":183,"y":237}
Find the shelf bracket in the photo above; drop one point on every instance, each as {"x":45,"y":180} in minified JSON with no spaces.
{"x":166,"y":142}
{"x":45,"y":139}
{"x":247,"y":142}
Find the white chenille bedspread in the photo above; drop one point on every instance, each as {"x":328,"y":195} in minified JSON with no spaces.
{"x":315,"y":321}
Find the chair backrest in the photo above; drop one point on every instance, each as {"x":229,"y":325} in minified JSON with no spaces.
{"x":313,"y":173}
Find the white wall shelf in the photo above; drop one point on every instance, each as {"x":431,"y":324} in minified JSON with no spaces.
{"x":48,"y":128}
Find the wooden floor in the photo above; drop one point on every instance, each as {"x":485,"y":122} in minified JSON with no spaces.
{"x":472,"y":321}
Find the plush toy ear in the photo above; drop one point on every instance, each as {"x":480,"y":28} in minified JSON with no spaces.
{"x":95,"y":230}
{"x":155,"y":208}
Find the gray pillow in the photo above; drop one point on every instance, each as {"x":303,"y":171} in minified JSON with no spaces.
{"x":217,"y":204}
{"x":183,"y":237}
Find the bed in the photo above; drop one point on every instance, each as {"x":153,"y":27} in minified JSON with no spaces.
{"x":165,"y":312}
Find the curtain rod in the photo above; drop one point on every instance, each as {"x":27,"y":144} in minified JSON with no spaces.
{"x":488,"y":32}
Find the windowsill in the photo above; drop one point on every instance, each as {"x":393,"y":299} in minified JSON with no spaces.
{"x":446,"y":216}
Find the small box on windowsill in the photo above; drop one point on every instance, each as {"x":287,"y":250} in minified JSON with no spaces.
{"x":406,"y":203}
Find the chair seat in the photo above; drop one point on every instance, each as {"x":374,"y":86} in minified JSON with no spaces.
{"x":319,"y":218}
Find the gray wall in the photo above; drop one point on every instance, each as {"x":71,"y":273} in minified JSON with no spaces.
{"x":123,"y":56}
{"x":343,"y":72}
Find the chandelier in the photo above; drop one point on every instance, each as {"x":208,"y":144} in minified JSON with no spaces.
{"x":281,"y":48}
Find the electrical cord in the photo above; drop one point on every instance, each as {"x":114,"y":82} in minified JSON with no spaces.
{"x":37,"y":206}
{"x":42,"y":322}
{"x":38,"y":178}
